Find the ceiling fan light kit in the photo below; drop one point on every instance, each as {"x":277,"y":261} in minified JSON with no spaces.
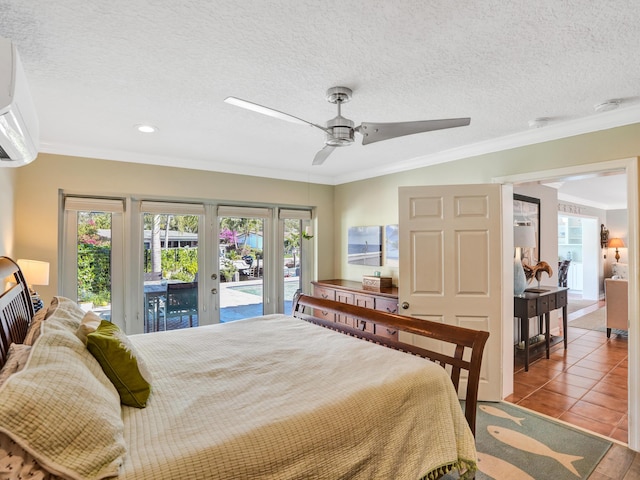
{"x":340,"y":131}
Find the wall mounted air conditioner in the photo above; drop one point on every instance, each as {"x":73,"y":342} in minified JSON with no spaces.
{"x":18,"y":120}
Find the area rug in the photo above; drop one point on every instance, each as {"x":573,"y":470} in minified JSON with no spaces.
{"x":591,"y":321}
{"x":516,"y":444}
{"x":575,"y":304}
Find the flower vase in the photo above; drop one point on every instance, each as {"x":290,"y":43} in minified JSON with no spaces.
{"x":519,"y":278}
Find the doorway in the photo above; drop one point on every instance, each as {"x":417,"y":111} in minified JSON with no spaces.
{"x":630,"y":167}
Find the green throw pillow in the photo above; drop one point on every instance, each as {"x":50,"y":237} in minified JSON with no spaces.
{"x":117,"y":357}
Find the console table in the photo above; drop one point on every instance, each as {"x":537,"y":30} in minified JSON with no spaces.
{"x":540,"y":304}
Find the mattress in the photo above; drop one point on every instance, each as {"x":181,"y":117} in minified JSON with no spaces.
{"x":274,"y":397}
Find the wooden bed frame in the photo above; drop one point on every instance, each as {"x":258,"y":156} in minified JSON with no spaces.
{"x":16,"y":312}
{"x":468,"y":344}
{"x":16,"y":309}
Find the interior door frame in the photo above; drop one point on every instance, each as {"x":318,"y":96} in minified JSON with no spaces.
{"x":630,"y":166}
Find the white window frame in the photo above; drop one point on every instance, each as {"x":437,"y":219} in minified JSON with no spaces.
{"x":68,"y":269}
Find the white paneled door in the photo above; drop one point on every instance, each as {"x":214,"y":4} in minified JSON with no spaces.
{"x":452,"y":267}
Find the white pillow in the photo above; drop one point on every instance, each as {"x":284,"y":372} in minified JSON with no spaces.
{"x":16,"y":359}
{"x":89,"y":324}
{"x":63,"y":410}
{"x":63,"y":313}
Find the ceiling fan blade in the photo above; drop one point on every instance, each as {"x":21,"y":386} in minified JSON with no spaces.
{"x":375,"y":132}
{"x":254,"y":107}
{"x":322,"y":155}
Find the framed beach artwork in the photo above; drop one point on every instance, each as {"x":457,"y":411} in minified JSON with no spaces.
{"x":391,"y":252}
{"x":526,"y":211}
{"x":365,"y":246}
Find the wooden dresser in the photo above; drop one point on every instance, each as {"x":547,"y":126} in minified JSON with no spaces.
{"x":351,"y":292}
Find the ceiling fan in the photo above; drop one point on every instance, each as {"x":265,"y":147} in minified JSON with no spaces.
{"x":340,"y":130}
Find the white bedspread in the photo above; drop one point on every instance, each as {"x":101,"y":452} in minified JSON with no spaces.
{"x":277,"y":398}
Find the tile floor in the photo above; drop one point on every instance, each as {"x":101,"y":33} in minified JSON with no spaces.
{"x":585,"y":385}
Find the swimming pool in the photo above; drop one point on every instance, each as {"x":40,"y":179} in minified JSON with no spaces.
{"x":256,"y":289}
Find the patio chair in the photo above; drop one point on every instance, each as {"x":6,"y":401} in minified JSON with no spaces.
{"x":182,"y":301}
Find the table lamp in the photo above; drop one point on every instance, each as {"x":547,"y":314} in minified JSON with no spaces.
{"x":616,"y":243}
{"x":523,"y":237}
{"x":35,"y":273}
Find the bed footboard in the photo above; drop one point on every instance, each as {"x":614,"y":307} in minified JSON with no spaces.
{"x":468,"y":344}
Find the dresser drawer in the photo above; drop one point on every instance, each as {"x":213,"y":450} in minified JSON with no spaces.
{"x":366,"y":301}
{"x":345,"y":297}
{"x":327,"y":294}
{"x":525,"y":308}
{"x":382,"y":331}
{"x":561,"y":299}
{"x":544,"y":303}
{"x":386,"y":305}
{"x":321,"y":292}
{"x":552,"y":302}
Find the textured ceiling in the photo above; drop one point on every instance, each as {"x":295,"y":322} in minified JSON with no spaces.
{"x":98,"y":68}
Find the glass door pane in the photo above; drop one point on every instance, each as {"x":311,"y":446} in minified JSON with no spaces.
{"x":241,"y":262}
{"x":170,"y":266}
{"x":94,"y":234}
{"x":292,"y":261}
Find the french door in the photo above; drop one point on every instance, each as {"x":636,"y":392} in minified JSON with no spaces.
{"x":92,"y":256}
{"x":263,"y":259}
{"x":244,"y":262}
{"x":171,"y":258}
{"x":153,"y":265}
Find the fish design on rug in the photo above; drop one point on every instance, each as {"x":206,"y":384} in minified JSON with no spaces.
{"x":498,"y":468}
{"x":496,"y":412}
{"x":531,"y":445}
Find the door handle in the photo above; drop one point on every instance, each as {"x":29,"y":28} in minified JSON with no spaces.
{"x":214,"y":276}
{"x":405,"y":305}
{"x":214,"y":291}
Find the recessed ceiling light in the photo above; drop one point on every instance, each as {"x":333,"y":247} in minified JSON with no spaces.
{"x":539,"y":122}
{"x":608,"y":105}
{"x":146,"y":128}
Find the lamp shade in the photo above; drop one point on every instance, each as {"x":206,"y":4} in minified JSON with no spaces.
{"x":615,"y":243}
{"x":35,"y":272}
{"x":524,"y":236}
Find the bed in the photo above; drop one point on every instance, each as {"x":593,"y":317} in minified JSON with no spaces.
{"x":271,"y":397}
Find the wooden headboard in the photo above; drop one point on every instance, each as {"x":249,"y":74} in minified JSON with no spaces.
{"x":16,"y":309}
{"x":468,"y":344}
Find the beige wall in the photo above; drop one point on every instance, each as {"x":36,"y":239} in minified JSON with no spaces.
{"x":375,"y":201}
{"x":7,"y":182}
{"x":366,"y":202}
{"x":38,"y":185}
